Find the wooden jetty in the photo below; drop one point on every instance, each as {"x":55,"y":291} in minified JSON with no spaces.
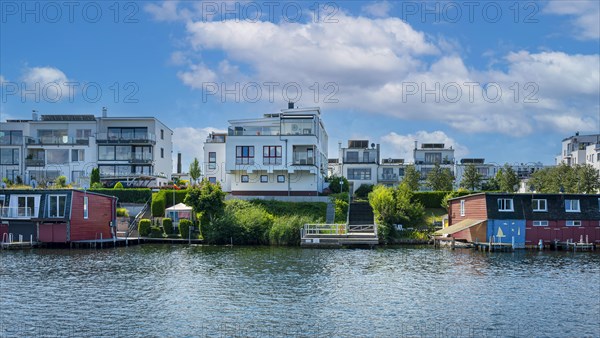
{"x":493,"y":246}
{"x":338,"y":235}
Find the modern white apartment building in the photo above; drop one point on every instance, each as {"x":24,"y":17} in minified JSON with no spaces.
{"x":358,"y":163}
{"x":430,"y":154}
{"x":580,"y":149}
{"x":390,"y":171}
{"x":281,"y":154}
{"x":486,"y":170}
{"x":125,"y":149}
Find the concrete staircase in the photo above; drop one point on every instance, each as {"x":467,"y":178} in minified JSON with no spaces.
{"x":361,"y":213}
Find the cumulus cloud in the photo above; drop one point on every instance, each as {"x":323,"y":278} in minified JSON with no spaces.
{"x":584,"y":13}
{"x":379,"y":9}
{"x":197,"y":75}
{"x":190,"y":142}
{"x":50,"y":83}
{"x":401,"y":146}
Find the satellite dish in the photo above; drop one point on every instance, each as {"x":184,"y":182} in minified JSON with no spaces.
{"x":373,"y":145}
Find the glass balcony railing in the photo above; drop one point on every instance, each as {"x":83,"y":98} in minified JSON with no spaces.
{"x":388,"y":177}
{"x":137,"y":138}
{"x":16,"y":212}
{"x":56,"y":140}
{"x":253,"y":131}
{"x":34,"y":162}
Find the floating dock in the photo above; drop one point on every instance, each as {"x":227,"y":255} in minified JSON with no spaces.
{"x":339,"y":235}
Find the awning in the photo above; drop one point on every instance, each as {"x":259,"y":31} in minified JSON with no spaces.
{"x":462,"y":225}
{"x":179,"y":207}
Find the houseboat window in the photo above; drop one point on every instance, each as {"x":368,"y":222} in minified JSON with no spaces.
{"x":540,"y":223}
{"x":264,"y":178}
{"x":26,"y":205}
{"x":505,"y":204}
{"x":281,"y":178}
{"x":572,"y":205}
{"x":462,"y":207}
{"x":56,"y":205}
{"x":244,"y":155}
{"x":245,"y":179}
{"x":573,"y":223}
{"x":85,"y":207}
{"x":539,"y":205}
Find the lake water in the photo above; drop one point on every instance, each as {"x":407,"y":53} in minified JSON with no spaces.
{"x":163,"y":290}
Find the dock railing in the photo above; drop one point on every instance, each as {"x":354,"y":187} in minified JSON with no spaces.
{"x":324,"y":229}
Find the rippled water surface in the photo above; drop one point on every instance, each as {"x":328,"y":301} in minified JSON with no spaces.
{"x":162,"y":290}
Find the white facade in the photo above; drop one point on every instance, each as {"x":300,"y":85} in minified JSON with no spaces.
{"x":280,"y":154}
{"x":359,"y":163}
{"x":72,"y":145}
{"x":575,"y":149}
{"x":592,"y":155}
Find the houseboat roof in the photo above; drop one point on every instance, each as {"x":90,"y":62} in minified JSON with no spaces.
{"x":522,"y":194}
{"x":49,"y":191}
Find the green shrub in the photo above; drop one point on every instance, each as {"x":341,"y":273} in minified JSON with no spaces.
{"x":334,"y":184}
{"x":363,"y":191}
{"x":429,"y":199}
{"x":96,"y":185}
{"x":286,"y":230}
{"x":184,"y":228}
{"x":128,"y":195}
{"x":122,"y":212}
{"x":144,"y":227}
{"x":341,"y":211}
{"x":61,"y":182}
{"x":280,"y":208}
{"x":158,"y":205}
{"x":167,"y":225}
{"x":156,"y":232}
{"x":118,"y":185}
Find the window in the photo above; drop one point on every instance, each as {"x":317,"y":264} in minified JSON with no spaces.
{"x":212,"y":180}
{"x":244,"y":155}
{"x":106,"y":153}
{"x":572,"y":205}
{"x":264,"y":178}
{"x":539,"y":205}
{"x":359,"y":174}
{"x":56,"y":205}
{"x":85,"y":207}
{"x":366,"y":157}
{"x":53,"y":136}
{"x":462,"y":207}
{"x":57,"y":156}
{"x":212,"y":160}
{"x":272,"y":155}
{"x":245,"y":179}
{"x":280,"y":178}
{"x":162,"y":152}
{"x":128,"y":134}
{"x":9,"y":156}
{"x":433,"y":157}
{"x":573,"y":223}
{"x":14,"y":137}
{"x":123,"y":153}
{"x":505,"y":204}
{"x":25,"y":206}
{"x":83,"y":134}
{"x":77,"y":155}
{"x":352,"y":156}
{"x":162,"y":134}
{"x":540,"y":223}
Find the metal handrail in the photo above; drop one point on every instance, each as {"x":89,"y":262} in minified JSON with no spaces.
{"x":132,"y":225}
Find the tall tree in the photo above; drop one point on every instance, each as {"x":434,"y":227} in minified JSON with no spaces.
{"x":508,"y":180}
{"x":588,"y":179}
{"x":94,"y":176}
{"x":471,"y":178}
{"x":563,"y":178}
{"x":411,"y":178}
{"x":195,"y":171}
{"x":208,"y":199}
{"x":440,"y":179}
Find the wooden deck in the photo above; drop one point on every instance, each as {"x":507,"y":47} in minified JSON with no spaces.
{"x":338,"y":235}
{"x":487,"y":246}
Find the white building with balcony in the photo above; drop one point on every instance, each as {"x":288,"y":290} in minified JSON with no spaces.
{"x":580,"y":149}
{"x":281,"y":154}
{"x":358,"y":163}
{"x":430,"y":154}
{"x":391,"y":171}
{"x":125,"y":149}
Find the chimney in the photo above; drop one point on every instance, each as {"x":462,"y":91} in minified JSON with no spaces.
{"x":290,"y":105}
{"x":34,"y":115}
{"x":104,"y":113}
{"x":179,"y":163}
{"x":415,"y":144}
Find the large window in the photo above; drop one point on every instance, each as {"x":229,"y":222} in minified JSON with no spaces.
{"x":298,"y":126}
{"x":244,"y":155}
{"x":271,"y":155}
{"x":137,"y":133}
{"x":352,"y":156}
{"x":83,"y":134}
{"x":56,"y":205}
{"x":9,"y":156}
{"x":123,"y":153}
{"x":359,"y":174}
{"x":539,"y":205}
{"x":11,"y":137}
{"x":106,"y":153}
{"x":77,"y":155}
{"x":433,"y":157}
{"x":26,"y":206}
{"x":57,"y":156}
{"x":53,"y":136}
{"x":572,"y":206}
{"x":505,"y":204}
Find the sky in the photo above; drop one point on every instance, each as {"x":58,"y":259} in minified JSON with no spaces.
{"x":500,"y":80}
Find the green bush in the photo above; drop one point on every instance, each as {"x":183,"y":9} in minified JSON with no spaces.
{"x":363,"y":191}
{"x":286,"y":230}
{"x":184,"y":228}
{"x":341,"y":211}
{"x":122,"y":212}
{"x":279,"y":208}
{"x":242,"y":222}
{"x":429,"y":199}
{"x":334,"y":184}
{"x":167,"y":225}
{"x":158,"y":205}
{"x":144,"y":227}
{"x":133,"y":195}
{"x":156,"y":232}
{"x":61,"y":182}
{"x":118,"y":185}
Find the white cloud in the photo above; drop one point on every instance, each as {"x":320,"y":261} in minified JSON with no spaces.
{"x":167,"y":11}
{"x":585,"y":16}
{"x":401,"y":146}
{"x":50,"y":84}
{"x":190,"y":142}
{"x":197,"y":75}
{"x":378,"y":9}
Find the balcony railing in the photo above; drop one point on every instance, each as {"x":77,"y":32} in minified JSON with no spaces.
{"x":57,"y":140}
{"x":253,"y":131}
{"x":388,"y":177}
{"x":141,"y":138}
{"x":16,"y":212}
{"x":29,"y":162}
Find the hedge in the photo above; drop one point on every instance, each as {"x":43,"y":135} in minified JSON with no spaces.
{"x":433,"y":199}
{"x":184,"y":228}
{"x":164,"y":199}
{"x":144,"y":227}
{"x":167,"y":225}
{"x":316,"y":210}
{"x":134,"y":195}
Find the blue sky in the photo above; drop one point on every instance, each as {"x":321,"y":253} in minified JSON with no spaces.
{"x":501,"y":80}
